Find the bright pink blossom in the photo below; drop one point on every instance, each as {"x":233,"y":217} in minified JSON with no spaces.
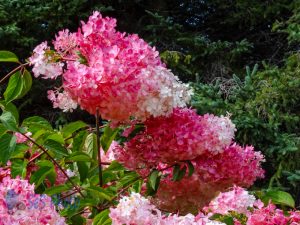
{"x":270,"y":215}
{"x":109,"y":156}
{"x":235,"y":166}
{"x":21,"y":138}
{"x":183,"y":135}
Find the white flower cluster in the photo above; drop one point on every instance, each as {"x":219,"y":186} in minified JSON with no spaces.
{"x":62,"y":100}
{"x":42,"y":64}
{"x":223,"y":128}
{"x":169,"y":92}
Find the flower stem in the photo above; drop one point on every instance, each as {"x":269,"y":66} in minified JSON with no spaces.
{"x":56,"y":163}
{"x":13,"y":71}
{"x":98,"y":148}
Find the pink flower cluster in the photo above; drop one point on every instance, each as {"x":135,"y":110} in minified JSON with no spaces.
{"x":109,"y":155}
{"x":20,"y":205}
{"x":183,"y":135}
{"x":119,"y":74}
{"x":137,"y":210}
{"x":238,"y":200}
{"x":21,"y":138}
{"x":235,"y":166}
{"x":270,"y":215}
{"x":207,"y":142}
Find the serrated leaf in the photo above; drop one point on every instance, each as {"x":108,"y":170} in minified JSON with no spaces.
{"x":3,"y":130}
{"x":56,"y":137}
{"x":107,"y":137}
{"x":83,"y":170}
{"x":37,"y":123}
{"x":7,"y":146}
{"x":90,"y":146}
{"x":127,"y":179}
{"x":6,"y":56}
{"x":102,"y":218}
{"x":9,"y":121}
{"x":100,"y":192}
{"x":79,"y":157}
{"x":10,"y":107}
{"x":78,"y":220}
{"x":18,"y":168}
{"x":14,"y":87}
{"x":79,"y":141}
{"x":56,"y":189}
{"x":56,"y":147}
{"x":39,"y":176}
{"x":19,"y":151}
{"x":70,"y":128}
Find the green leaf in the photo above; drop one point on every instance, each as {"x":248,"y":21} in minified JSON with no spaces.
{"x":7,"y":146}
{"x":36,"y":123}
{"x":77,"y":220}
{"x":102,"y":218}
{"x":56,"y":137}
{"x":182,"y":173}
{"x":10,"y":107}
{"x":191,"y":168}
{"x":3,"y":130}
{"x":26,"y":83}
{"x":228,"y":220}
{"x":70,"y":128}
{"x":279,"y":197}
{"x":101,"y":192}
{"x":18,"y":168}
{"x":39,"y":176}
{"x":9,"y":121}
{"x":19,"y":151}
{"x":83,"y":170}
{"x":176,"y":171}
{"x":90,"y":146}
{"x":14,"y":87}
{"x":107,"y":137}
{"x":79,"y":141}
{"x":56,"y":147}
{"x":56,"y":189}
{"x":154,"y":179}
{"x":6,"y":56}
{"x":79,"y":157}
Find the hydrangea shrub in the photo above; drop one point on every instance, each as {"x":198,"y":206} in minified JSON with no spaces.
{"x":157,"y":161}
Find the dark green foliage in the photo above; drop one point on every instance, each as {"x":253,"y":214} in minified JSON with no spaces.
{"x":265,"y":108}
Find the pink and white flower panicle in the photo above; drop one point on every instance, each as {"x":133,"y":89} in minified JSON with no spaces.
{"x":138,"y":210}
{"x":122,"y":75}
